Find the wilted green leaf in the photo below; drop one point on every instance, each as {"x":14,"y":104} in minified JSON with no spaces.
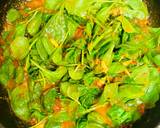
{"x":70,"y":91}
{"x":34,"y":24}
{"x":156,"y":60}
{"x":6,"y":72}
{"x":20,"y":47}
{"x":76,"y":73}
{"x":12,"y":15}
{"x":110,"y":93}
{"x":151,"y":95}
{"x":49,"y":99}
{"x":127,"y":26}
{"x":41,"y":50}
{"x":19,"y":101}
{"x":88,"y":96}
{"x":119,"y":115}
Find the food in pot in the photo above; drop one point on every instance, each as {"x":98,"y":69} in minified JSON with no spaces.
{"x":80,"y":63}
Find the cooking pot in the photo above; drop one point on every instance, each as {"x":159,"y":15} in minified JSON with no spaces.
{"x":151,"y":118}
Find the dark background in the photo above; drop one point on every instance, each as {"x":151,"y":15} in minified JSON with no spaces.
{"x":151,"y":118}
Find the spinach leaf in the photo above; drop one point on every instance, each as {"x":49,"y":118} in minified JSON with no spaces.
{"x":156,"y":59}
{"x":20,"y":29}
{"x":127,"y":26}
{"x":50,"y":4}
{"x":19,"y":47}
{"x":12,"y":15}
{"x":49,"y":99}
{"x":119,"y":115}
{"x":52,"y":76}
{"x":57,"y":27}
{"x":51,"y":123}
{"x":87,"y":96}
{"x":76,"y":73}
{"x":6,"y":72}
{"x":70,"y":91}
{"x":34,"y":25}
{"x":19,"y":101}
{"x":151,"y":95}
{"x":136,"y":9}
{"x":41,"y":50}
{"x":79,"y":7}
{"x":110,"y":93}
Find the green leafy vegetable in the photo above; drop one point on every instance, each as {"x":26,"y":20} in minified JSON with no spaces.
{"x":6,"y":72}
{"x":19,"y":47}
{"x":20,"y":30}
{"x":41,"y":50}
{"x":19,"y":101}
{"x":138,"y":9}
{"x":47,"y":45}
{"x":52,"y":123}
{"x":96,"y":117}
{"x":110,"y":93}
{"x":57,"y":56}
{"x":94,"y":125}
{"x":34,"y":24}
{"x":156,"y":60}
{"x":49,"y":99}
{"x":53,"y":76}
{"x":70,"y":91}
{"x":13,"y":15}
{"x":88,"y":96}
{"x":119,"y":115}
{"x":151,"y":95}
{"x":126,"y":25}
{"x":52,"y":5}
{"x":76,"y":73}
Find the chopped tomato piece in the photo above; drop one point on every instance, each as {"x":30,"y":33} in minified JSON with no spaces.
{"x":1,"y":41}
{"x":141,"y":108}
{"x":11,"y":84}
{"x":1,"y":56}
{"x":35,"y":4}
{"x":79,"y":32}
{"x":16,"y":63}
{"x":68,"y":124}
{"x":103,"y":111}
{"x":99,"y":83}
{"x":57,"y":106}
{"x":33,"y":121}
